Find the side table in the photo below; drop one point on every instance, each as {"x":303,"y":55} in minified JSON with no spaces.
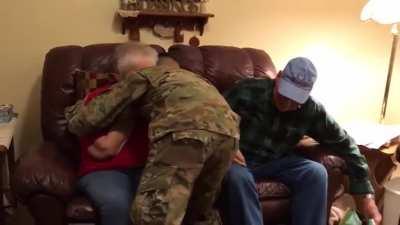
{"x":382,"y":164}
{"x":7,"y":162}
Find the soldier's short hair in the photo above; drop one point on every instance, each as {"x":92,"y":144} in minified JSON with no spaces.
{"x":124,"y":51}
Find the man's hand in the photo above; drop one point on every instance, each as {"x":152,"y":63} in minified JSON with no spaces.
{"x":239,"y":158}
{"x":367,"y":207}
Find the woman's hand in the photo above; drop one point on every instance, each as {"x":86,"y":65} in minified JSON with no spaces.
{"x":238,"y":158}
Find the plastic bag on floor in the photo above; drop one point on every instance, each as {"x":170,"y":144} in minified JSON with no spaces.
{"x":352,"y":218}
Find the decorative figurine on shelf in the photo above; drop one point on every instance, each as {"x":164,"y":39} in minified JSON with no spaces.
{"x":203,"y":8}
{"x":177,"y":6}
{"x":188,"y":6}
{"x":163,"y":5}
{"x":151,"y":5}
{"x":132,"y":4}
{"x":124,"y":4}
{"x":192,"y":7}
{"x":167,"y":18}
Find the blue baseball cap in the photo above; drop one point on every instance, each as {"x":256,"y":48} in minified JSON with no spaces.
{"x":297,"y":79}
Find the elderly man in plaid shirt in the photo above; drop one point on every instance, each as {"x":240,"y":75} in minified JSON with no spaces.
{"x":276,"y":114}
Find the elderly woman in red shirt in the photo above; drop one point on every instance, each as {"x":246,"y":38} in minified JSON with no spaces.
{"x":111,"y":183}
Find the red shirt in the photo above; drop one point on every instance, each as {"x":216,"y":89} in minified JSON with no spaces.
{"x":133,"y":153}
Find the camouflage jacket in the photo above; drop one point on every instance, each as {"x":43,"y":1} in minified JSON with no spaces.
{"x":173,"y":99}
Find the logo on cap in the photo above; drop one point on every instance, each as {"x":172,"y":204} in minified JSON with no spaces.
{"x":297,"y":79}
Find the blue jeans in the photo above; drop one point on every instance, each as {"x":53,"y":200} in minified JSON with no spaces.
{"x":112,"y":193}
{"x":306,"y":179}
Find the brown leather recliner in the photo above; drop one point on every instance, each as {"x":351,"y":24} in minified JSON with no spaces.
{"x":45,"y":178}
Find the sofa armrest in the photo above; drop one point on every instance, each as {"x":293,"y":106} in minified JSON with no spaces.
{"x":314,"y":151}
{"x":44,"y":171}
{"x":381,"y":165}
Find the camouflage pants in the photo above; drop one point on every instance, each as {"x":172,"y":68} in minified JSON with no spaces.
{"x":183,"y":175}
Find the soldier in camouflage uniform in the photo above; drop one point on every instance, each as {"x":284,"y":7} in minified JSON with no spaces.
{"x":193,"y":134}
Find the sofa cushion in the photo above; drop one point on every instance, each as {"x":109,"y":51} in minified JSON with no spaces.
{"x":81,"y":209}
{"x":271,"y":189}
{"x":87,"y":81}
{"x":224,"y":65}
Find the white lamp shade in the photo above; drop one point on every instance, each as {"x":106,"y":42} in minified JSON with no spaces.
{"x":382,"y":11}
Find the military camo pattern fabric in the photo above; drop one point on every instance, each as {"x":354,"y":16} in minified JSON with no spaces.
{"x":181,"y":100}
{"x":174,"y":99}
{"x":183,"y":174}
{"x":102,"y":111}
{"x":193,"y":133}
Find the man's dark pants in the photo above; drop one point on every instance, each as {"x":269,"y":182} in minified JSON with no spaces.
{"x":306,"y":179}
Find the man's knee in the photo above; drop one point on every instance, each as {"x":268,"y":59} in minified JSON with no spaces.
{"x":238,"y":177}
{"x":316,"y":173}
{"x":115,"y":202}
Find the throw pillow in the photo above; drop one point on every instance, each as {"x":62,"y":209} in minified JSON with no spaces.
{"x":87,"y":81}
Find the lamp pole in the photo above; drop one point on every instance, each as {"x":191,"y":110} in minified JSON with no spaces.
{"x":395,"y":32}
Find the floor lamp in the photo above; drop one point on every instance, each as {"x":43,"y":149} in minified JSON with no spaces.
{"x":385,"y":12}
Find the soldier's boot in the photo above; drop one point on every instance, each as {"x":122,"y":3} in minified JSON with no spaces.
{"x":178,"y":163}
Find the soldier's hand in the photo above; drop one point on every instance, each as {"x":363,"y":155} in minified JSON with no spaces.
{"x":239,"y":158}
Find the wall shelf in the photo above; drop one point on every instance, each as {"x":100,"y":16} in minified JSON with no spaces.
{"x":132,"y":21}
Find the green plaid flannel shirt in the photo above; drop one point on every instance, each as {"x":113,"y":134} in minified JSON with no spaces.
{"x":267,"y":134}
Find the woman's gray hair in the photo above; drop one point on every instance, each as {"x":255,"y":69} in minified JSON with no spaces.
{"x":122,"y":54}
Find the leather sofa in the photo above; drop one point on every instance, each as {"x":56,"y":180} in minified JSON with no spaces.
{"x":45,"y":178}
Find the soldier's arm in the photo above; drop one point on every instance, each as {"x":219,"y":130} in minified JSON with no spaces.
{"x":327,"y":132}
{"x":125,"y":121}
{"x":104,"y":109}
